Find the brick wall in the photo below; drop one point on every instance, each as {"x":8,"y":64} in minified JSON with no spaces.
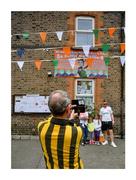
{"x":31,"y":81}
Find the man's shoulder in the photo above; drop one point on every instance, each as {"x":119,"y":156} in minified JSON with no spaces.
{"x":44,"y":122}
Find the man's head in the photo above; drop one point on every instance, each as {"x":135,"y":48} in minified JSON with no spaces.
{"x":81,"y":62}
{"x":105,"y":103}
{"x":59,"y":103}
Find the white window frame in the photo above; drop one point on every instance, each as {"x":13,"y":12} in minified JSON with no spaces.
{"x":86,"y":95}
{"x":85,"y":31}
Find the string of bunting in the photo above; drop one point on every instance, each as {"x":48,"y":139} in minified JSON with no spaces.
{"x":89,"y":61}
{"x":43,"y":35}
{"x":105,"y":47}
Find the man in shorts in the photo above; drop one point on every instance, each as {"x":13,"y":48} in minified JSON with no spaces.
{"x":107,"y":118}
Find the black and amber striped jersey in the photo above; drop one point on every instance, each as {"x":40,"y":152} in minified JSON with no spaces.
{"x":60,"y":141}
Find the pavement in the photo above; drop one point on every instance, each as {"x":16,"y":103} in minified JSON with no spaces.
{"x":27,"y":154}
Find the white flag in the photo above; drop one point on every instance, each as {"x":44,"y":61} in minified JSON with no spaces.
{"x":86,"y":49}
{"x":72,"y":62}
{"x":20,"y":64}
{"x":59,"y":35}
{"x":122,"y":60}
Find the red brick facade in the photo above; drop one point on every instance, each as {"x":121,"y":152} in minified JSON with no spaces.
{"x":31,"y":81}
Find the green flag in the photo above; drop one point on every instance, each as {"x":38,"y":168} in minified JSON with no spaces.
{"x":55,"y":62}
{"x":107,"y":61}
{"x":96,"y":33}
{"x":105,"y":47}
{"x":26,"y":35}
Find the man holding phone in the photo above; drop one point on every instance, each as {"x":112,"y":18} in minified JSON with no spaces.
{"x":59,"y":136}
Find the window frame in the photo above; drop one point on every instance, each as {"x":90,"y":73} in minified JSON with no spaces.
{"x":86,"y":95}
{"x":84,"y":31}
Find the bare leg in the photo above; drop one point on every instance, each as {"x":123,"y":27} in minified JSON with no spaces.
{"x":105,"y":135}
{"x":111,"y":135}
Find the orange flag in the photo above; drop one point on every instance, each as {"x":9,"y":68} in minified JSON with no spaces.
{"x":122,"y":47}
{"x":43,"y":37}
{"x":89,"y":61}
{"x":67,"y":50}
{"x":38,"y":63}
{"x":111,"y":31}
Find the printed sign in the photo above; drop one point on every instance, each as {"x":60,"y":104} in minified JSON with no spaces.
{"x":31,"y":104}
{"x":77,"y":65}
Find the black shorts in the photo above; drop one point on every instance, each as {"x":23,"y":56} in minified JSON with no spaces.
{"x":106,"y":125}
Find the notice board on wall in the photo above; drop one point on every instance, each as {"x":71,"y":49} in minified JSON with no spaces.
{"x":31,"y":103}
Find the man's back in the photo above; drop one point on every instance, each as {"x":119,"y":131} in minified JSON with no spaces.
{"x":60,"y":140}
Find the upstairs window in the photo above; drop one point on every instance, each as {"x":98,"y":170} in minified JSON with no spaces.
{"x":83,"y":34}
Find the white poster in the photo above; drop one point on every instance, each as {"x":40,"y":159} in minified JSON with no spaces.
{"x":31,"y":104}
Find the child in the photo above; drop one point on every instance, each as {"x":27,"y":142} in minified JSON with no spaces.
{"x":97,"y":128}
{"x":83,"y":122}
{"x":90,"y":127}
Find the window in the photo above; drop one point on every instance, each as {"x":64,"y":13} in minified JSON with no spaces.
{"x":83,"y":34}
{"x":84,"y":89}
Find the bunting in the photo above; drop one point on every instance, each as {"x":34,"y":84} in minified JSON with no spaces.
{"x":59,"y":35}
{"x":38,"y":64}
{"x":20,"y":64}
{"x":67,"y":50}
{"x":107,"y":61}
{"x":43,"y":37}
{"x":122,"y":60}
{"x":96,"y":33}
{"x":105,"y":47}
{"x":72,"y":62}
{"x":86,"y":49}
{"x":25,"y":35}
{"x":90,"y":61}
{"x":55,"y":63}
{"x":111,"y":31}
{"x":20,"y":52}
{"x":122,"y":47}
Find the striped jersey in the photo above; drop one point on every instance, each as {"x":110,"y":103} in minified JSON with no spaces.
{"x":60,"y":141}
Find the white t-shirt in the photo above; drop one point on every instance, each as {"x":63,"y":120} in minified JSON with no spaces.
{"x":106,"y":113}
{"x":97,"y":124}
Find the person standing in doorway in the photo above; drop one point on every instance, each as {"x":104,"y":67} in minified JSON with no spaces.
{"x":107,"y":118}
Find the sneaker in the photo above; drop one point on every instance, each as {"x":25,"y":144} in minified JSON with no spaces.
{"x":98,"y":143}
{"x":113,"y":144}
{"x":91,"y":142}
{"x":105,"y":142}
{"x":83,"y":144}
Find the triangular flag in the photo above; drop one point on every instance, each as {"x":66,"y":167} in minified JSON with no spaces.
{"x":96,"y":33}
{"x":111,"y":31}
{"x":122,"y":60}
{"x":20,"y":64}
{"x":72,"y":62}
{"x":38,"y":64}
{"x":86,"y":49}
{"x":25,"y":35}
{"x":55,"y":62}
{"x":122,"y":47}
{"x":20,"y":52}
{"x":59,"y":35}
{"x":89,"y":61}
{"x":43,"y":37}
{"x":105,"y":47}
{"x":107,"y":60}
{"x":67,"y":50}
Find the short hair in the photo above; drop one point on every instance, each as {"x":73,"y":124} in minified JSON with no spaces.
{"x":58,"y":102}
